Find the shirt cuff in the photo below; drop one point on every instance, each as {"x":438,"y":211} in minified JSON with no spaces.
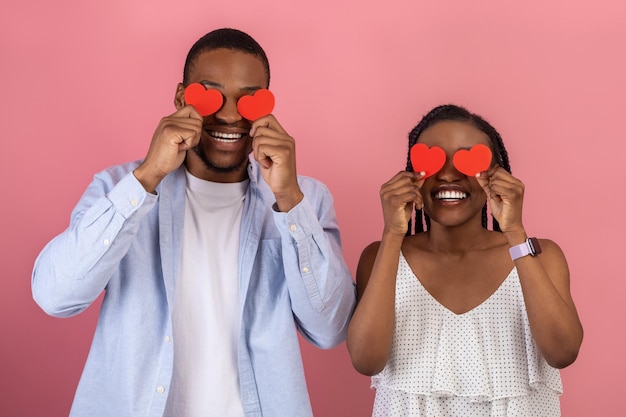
{"x":129,"y":196}
{"x":300,"y":222}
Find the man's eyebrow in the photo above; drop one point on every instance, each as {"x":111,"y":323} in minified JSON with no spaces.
{"x":211,"y":84}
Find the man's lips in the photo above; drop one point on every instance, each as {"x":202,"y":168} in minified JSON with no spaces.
{"x":226,"y":137}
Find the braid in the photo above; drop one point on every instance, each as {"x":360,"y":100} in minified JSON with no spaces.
{"x":484,"y":216}
{"x":420,"y":218}
{"x":453,"y":112}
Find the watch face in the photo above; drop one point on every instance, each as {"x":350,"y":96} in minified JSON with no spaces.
{"x":535,"y":247}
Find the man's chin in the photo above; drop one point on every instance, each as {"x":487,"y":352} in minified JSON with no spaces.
{"x":221,"y":168}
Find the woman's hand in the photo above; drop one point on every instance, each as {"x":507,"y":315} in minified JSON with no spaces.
{"x":398,"y":197}
{"x":505,"y":194}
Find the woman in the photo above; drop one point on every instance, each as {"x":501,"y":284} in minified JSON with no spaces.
{"x":448,"y":323}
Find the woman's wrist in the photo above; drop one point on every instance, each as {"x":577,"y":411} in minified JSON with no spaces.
{"x":516,"y":236}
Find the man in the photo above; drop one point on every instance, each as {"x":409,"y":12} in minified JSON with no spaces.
{"x":210,"y":259}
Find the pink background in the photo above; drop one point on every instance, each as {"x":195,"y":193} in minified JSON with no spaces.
{"x":84,"y":84}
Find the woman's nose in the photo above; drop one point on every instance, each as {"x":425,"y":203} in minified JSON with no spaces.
{"x":448,"y":172}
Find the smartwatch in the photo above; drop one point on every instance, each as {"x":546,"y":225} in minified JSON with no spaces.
{"x":529,"y":247}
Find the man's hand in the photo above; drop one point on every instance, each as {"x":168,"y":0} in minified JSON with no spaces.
{"x":275,"y":151}
{"x":173,"y":137}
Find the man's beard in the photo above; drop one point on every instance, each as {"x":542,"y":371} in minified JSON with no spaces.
{"x":223,"y":169}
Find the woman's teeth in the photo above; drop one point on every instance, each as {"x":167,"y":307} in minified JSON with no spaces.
{"x":225,"y":137}
{"x":450,"y":195}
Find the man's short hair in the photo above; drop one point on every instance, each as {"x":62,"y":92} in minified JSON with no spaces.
{"x":229,"y":39}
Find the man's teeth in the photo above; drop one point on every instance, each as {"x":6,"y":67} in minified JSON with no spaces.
{"x":450,"y":195}
{"x":225,"y":137}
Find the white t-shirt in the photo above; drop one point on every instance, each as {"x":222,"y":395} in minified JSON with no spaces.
{"x":206,"y":319}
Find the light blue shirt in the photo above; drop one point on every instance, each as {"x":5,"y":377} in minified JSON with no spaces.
{"x":126,"y":242}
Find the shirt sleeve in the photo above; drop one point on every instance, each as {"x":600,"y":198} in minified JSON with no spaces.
{"x":74,"y":268}
{"x":320,"y":285}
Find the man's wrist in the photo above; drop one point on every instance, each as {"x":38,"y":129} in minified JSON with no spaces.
{"x":148,"y":183}
{"x":287,"y":202}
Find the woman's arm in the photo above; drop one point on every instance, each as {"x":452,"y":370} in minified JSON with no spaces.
{"x":371,"y":329}
{"x":552,"y":315}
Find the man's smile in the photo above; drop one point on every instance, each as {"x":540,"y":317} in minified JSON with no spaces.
{"x":225,"y":137}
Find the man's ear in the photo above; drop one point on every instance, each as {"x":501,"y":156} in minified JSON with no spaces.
{"x":179,"y":97}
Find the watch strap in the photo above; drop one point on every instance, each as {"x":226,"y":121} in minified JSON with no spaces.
{"x":529,"y":247}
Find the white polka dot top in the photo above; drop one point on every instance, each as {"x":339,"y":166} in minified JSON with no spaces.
{"x":480,"y":363}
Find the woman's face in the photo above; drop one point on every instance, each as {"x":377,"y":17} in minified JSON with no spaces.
{"x":451,"y":198}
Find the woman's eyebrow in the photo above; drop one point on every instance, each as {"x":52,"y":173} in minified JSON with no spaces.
{"x":251,"y":89}
{"x":212,"y":84}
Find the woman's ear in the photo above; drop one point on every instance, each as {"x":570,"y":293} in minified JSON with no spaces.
{"x":179,"y":97}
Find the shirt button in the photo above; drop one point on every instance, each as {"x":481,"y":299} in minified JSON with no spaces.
{"x":293,"y":227}
{"x":305,"y":269}
{"x":167,"y":339}
{"x":106,"y":242}
{"x":160,"y":390}
{"x":134,"y":202}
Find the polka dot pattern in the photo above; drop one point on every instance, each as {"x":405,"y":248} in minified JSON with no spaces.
{"x":480,"y":363}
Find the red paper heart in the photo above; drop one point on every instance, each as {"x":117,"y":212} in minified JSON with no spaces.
{"x":471,"y":162}
{"x":428,"y":160}
{"x":204,"y":101}
{"x":256,"y":106}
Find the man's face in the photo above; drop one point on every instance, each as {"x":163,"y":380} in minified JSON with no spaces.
{"x":222,"y":153}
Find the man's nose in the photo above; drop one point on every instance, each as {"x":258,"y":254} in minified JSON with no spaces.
{"x":228,"y":113}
